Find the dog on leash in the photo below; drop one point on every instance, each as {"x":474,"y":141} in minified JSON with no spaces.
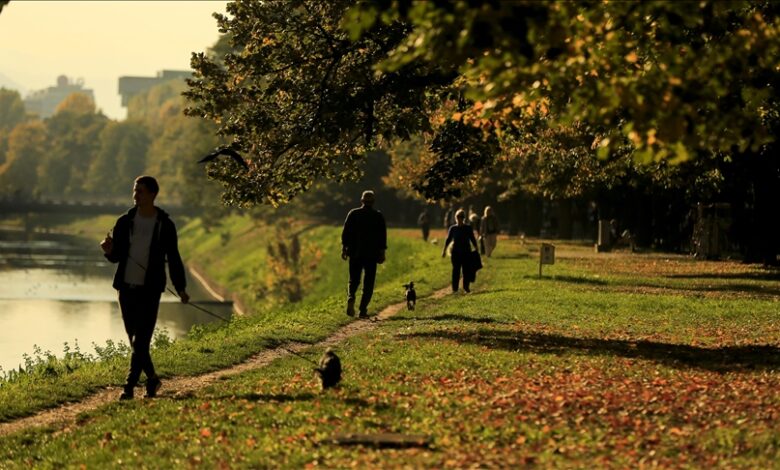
{"x":411,"y":295}
{"x":329,"y":369}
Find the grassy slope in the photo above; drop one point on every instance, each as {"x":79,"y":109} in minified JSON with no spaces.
{"x":236,"y":264}
{"x":570,"y":370}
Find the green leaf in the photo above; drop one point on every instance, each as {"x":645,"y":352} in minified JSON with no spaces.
{"x":680,"y":154}
{"x":359,"y":19}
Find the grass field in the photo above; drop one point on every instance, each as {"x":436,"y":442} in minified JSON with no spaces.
{"x":611,"y":360}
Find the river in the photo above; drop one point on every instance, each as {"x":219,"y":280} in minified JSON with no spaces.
{"x":57,"y":288}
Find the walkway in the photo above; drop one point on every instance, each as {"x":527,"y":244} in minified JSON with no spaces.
{"x":64,"y":416}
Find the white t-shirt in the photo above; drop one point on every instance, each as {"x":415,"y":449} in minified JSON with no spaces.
{"x":140,"y":243}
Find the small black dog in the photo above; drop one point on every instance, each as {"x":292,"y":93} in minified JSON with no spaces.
{"x":329,"y":369}
{"x":411,"y":295}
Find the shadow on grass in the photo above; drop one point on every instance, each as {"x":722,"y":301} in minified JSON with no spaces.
{"x":299,"y":397}
{"x":490,"y":290}
{"x":361,"y":403}
{"x":447,"y":317}
{"x":569,"y":279}
{"x":729,"y":358}
{"x":508,"y":256}
{"x":738,"y":288}
{"x":722,"y":288}
{"x":269,"y":397}
{"x":284,"y":343}
{"x":765,"y":276}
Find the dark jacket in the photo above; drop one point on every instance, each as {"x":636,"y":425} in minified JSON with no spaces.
{"x":364,"y":235}
{"x":461,"y":237}
{"x":165,"y":244}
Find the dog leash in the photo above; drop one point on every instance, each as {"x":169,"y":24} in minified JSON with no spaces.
{"x":193,"y":304}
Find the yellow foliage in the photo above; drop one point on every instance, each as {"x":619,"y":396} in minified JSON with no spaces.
{"x":77,"y":103}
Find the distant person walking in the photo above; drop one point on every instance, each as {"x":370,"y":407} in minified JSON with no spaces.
{"x":425,"y":224}
{"x":143,"y":239}
{"x":474,"y":220}
{"x":449,"y":217}
{"x":489,"y":230}
{"x":461,"y":236}
{"x":364,"y":241}
{"x":476,"y":223}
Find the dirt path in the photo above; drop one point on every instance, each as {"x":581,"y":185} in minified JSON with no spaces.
{"x":65,"y":415}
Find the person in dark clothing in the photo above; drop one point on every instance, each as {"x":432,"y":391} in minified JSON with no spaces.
{"x":425,"y":224}
{"x":449,"y":217}
{"x":142,"y":240}
{"x":363,"y":241}
{"x":461,"y":236}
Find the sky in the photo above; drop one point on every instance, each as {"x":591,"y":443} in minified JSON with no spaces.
{"x":99,"y":41}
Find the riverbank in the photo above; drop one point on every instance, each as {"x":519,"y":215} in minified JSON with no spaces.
{"x":56,"y":296}
{"x":235,"y":263}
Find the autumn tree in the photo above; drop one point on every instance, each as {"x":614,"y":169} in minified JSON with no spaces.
{"x":173,"y":155}
{"x":309,"y":87}
{"x":174,"y":144}
{"x":77,"y":104}
{"x":301,"y":99}
{"x":678,"y":81}
{"x":27,"y":148}
{"x":12,"y":110}
{"x":120,"y":157}
{"x":673,"y":77}
{"x":74,"y":132}
{"x":158,"y":103}
{"x":707,"y":63}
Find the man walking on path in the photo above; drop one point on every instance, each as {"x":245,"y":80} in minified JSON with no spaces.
{"x":142,"y":240}
{"x":363,"y":241}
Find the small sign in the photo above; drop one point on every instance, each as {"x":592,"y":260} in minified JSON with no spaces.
{"x":547,"y":253}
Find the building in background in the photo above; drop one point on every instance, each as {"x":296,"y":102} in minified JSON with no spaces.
{"x":131,"y":86}
{"x":43,"y":103}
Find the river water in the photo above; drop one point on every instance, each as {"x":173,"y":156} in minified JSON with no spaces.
{"x":56,"y":289}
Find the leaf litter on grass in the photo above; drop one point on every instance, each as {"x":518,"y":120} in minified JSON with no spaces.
{"x":505,"y":391}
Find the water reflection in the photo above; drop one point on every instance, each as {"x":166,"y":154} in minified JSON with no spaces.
{"x":52,"y":292}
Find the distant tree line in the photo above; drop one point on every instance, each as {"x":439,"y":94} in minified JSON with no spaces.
{"x":79,"y":154}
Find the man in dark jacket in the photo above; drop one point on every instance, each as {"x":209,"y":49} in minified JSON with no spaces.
{"x":143,"y":239}
{"x":363,"y":241}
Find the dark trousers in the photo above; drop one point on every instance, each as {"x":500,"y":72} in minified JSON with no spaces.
{"x":139,"y":312}
{"x":426,"y":230}
{"x":356,"y":267}
{"x":458,"y":265}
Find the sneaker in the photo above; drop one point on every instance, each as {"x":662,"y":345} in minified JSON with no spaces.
{"x":127,"y":394}
{"x":467,"y":290}
{"x":363,"y":314}
{"x":152,"y":387}
{"x":351,"y":307}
